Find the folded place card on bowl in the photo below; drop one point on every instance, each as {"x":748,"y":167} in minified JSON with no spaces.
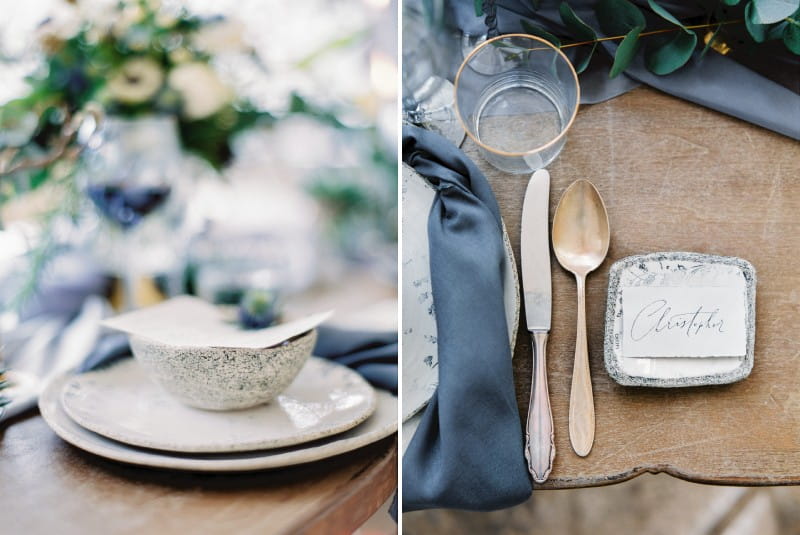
{"x":680,"y":319}
{"x":191,"y":322}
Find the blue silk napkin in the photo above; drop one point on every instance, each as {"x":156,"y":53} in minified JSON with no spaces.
{"x":467,"y":452}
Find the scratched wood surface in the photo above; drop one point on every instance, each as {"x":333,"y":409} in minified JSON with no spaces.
{"x":676,"y":177}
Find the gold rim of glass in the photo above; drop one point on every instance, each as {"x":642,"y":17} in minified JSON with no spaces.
{"x":537,"y":149}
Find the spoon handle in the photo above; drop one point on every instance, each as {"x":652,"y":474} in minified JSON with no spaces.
{"x":581,"y":404}
{"x":540,"y":449}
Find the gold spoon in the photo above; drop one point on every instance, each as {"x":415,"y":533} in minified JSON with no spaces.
{"x":580,"y":241}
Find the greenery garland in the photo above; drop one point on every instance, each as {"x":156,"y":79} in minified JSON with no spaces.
{"x":765,"y":20}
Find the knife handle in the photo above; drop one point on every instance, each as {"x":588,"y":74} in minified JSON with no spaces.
{"x":540,"y":449}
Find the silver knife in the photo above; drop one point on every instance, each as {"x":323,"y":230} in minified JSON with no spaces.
{"x":540,"y":448}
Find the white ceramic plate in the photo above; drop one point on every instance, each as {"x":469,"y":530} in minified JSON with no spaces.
{"x":381,"y":424}
{"x":420,"y":354}
{"x":122,"y":403}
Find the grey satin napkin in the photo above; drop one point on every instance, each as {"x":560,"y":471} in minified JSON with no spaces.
{"x":467,"y":452}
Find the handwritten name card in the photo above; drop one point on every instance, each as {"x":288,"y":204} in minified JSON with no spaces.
{"x":683,"y":321}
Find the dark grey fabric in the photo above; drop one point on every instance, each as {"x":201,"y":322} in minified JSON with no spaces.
{"x":467,"y":452}
{"x":372,"y":354}
{"x":768,"y":98}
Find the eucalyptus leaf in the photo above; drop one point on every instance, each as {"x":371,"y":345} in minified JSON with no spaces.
{"x":776,"y":31}
{"x":625,"y":51}
{"x":478,"y":8}
{"x":757,"y":31}
{"x":731,"y":2}
{"x":791,"y":37}
{"x":672,"y":55}
{"x":586,"y":60}
{"x":540,"y":32}
{"x":619,"y":17}
{"x":711,"y":40}
{"x":770,"y":11}
{"x":666,"y":15}
{"x":575,"y":24}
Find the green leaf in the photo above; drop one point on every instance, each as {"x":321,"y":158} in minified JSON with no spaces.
{"x":38,"y":178}
{"x":791,"y":36}
{"x":711,"y":40}
{"x":770,"y":11}
{"x":585,"y":61}
{"x":666,"y":15}
{"x":776,"y":31}
{"x":625,"y":51}
{"x":757,"y":31}
{"x":730,"y":2}
{"x":618,"y":17}
{"x":539,"y":32}
{"x":478,"y":8}
{"x":672,"y":55}
{"x":575,"y":24}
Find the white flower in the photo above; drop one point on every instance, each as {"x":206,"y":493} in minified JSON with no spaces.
{"x":17,"y":131}
{"x":62,"y":24}
{"x":201,"y":90}
{"x":219,"y":37}
{"x":100,"y":14}
{"x":131,"y":14}
{"x":136,"y":81}
{"x":180,"y":55}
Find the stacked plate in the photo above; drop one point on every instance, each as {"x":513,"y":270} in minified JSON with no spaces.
{"x":119,"y":413}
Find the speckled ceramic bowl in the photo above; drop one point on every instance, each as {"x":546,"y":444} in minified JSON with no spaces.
{"x":223,"y":378}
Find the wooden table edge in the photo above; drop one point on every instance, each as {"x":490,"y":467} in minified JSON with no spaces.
{"x":347,"y":511}
{"x":741,"y":481}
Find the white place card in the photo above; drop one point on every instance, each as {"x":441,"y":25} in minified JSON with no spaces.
{"x":683,"y":321}
{"x":191,"y":322}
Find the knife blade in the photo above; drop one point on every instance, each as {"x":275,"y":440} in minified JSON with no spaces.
{"x":535,"y":246}
{"x":537,"y":290}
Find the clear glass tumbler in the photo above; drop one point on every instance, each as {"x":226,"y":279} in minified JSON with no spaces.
{"x":516,"y":96}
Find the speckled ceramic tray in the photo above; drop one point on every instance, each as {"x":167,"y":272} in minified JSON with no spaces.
{"x":382,"y":423}
{"x":420,"y":355}
{"x":682,"y":270}
{"x":122,"y":403}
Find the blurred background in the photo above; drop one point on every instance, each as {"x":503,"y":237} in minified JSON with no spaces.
{"x":648,"y":504}
{"x":150,"y":147}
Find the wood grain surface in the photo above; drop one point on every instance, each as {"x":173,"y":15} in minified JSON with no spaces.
{"x":48,"y":486}
{"x":676,"y":177}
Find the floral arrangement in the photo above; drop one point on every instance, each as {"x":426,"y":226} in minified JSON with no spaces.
{"x":129,"y":58}
{"x":673,"y":42}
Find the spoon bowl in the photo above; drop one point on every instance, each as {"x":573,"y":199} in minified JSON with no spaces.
{"x":580,"y":240}
{"x":580,"y":228}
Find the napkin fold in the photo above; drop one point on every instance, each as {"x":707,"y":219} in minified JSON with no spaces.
{"x":373,"y":354}
{"x":467,"y":452}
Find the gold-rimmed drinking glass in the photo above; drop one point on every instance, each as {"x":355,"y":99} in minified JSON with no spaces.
{"x":517,"y":96}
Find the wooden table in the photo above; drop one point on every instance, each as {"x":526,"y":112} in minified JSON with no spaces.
{"x":676,"y":177}
{"x":48,"y":486}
